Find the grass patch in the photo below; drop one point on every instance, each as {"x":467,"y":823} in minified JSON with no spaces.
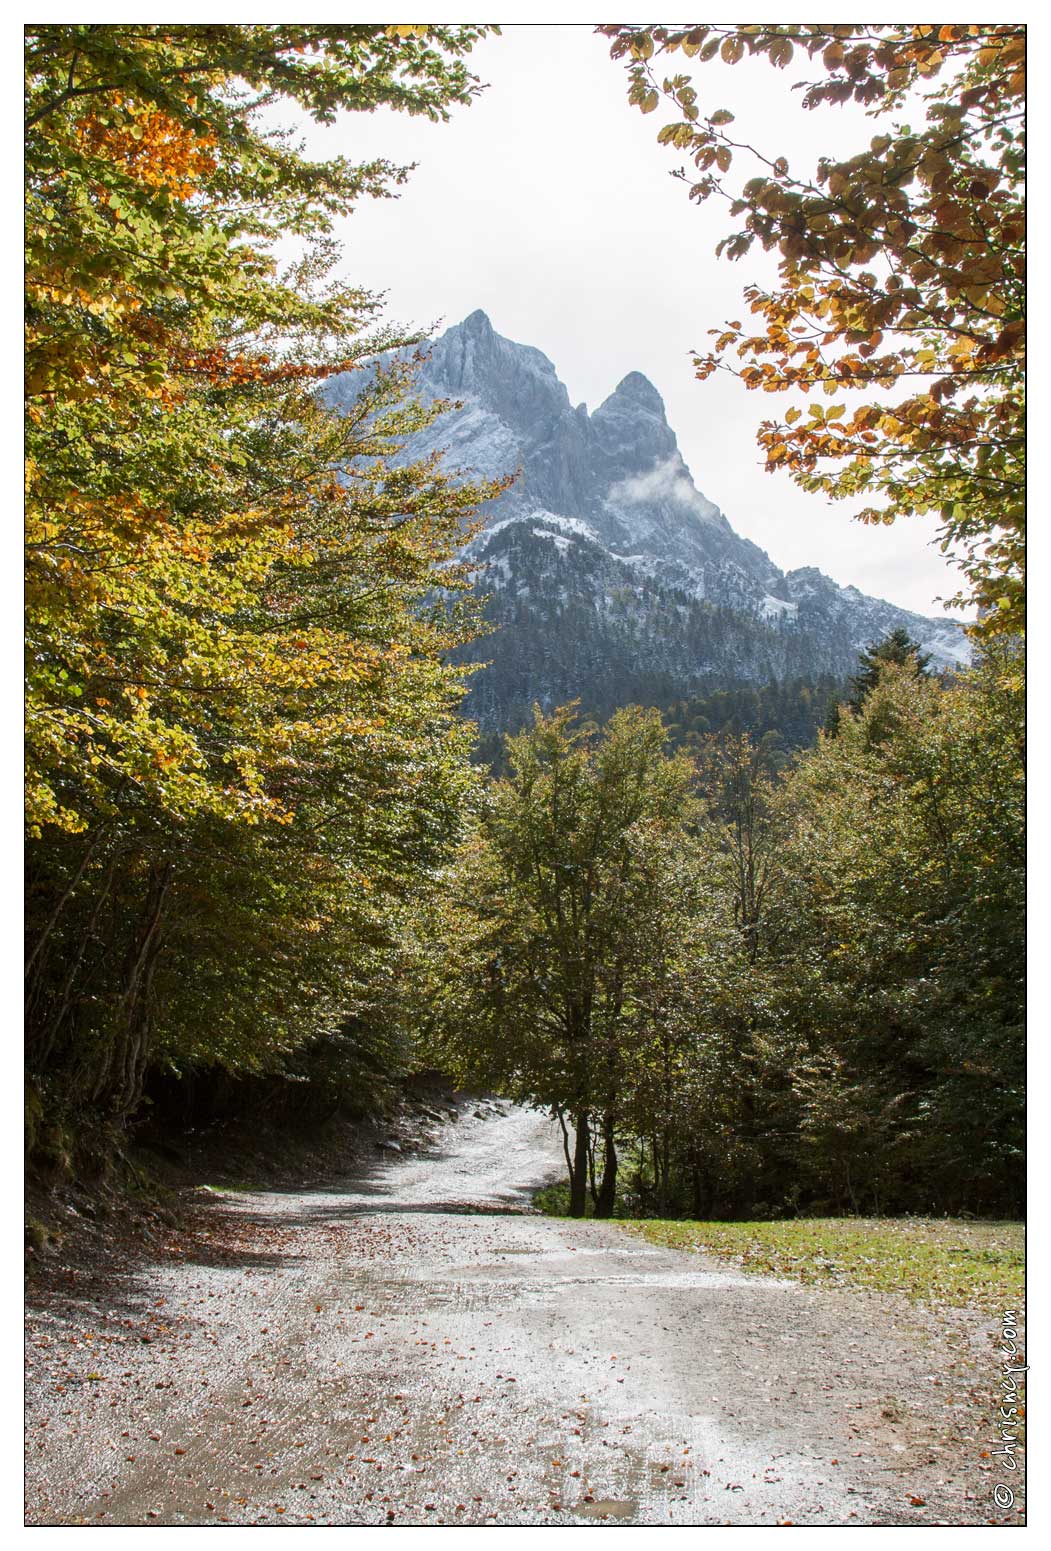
{"x":965,"y":1265}
{"x":553,"y":1200}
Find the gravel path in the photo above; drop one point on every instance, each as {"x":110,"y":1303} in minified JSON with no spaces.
{"x":418,"y":1347}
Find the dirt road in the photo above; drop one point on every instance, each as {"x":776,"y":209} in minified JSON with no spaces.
{"x":419,"y":1348}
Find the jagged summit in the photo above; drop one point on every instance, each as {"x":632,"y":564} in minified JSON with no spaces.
{"x":605,"y":562}
{"x":476,"y":322}
{"x":472,"y":360}
{"x":637,"y":391}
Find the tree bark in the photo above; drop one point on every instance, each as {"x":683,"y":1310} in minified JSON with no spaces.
{"x":607,"y":1190}
{"x":64,"y":899}
{"x":120,"y":1080}
{"x":578,"y":1176}
{"x":39,"y":1054}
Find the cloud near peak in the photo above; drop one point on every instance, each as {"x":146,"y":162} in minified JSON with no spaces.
{"x":667,"y":484}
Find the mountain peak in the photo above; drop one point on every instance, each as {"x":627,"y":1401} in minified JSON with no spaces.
{"x":477,"y":322}
{"x":633,"y":393}
{"x":611,"y":576}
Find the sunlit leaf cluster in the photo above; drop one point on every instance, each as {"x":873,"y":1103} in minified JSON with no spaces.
{"x":901,"y":272}
{"x":242,"y":741}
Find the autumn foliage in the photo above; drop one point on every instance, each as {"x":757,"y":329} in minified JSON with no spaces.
{"x":256,"y":845}
{"x":901,"y":275}
{"x":241,"y":736}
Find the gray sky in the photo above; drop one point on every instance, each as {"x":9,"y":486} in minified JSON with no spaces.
{"x":549,"y":204}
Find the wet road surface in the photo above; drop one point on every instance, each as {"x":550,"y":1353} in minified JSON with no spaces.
{"x":419,"y":1347}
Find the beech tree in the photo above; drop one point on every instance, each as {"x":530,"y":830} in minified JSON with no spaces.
{"x":169,"y":375}
{"x":904,"y":944}
{"x":241,"y":729}
{"x":901,"y":274}
{"x":557,"y":884}
{"x":842,"y":1024}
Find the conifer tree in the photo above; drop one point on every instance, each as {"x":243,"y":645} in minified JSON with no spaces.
{"x":898,"y":647}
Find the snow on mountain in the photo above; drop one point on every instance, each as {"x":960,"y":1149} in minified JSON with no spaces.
{"x":605,"y":561}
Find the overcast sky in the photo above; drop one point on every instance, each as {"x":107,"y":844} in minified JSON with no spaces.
{"x":549,"y":204}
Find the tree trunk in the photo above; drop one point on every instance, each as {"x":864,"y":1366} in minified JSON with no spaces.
{"x":38,"y":1058}
{"x":578,"y":1174}
{"x":119,"y":1082}
{"x":64,"y":899}
{"x":698,"y":1192}
{"x":607,"y":1190}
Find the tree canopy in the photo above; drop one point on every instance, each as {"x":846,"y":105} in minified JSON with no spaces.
{"x":743,"y":978}
{"x":899,"y":648}
{"x":901,"y":271}
{"x":747,"y":983}
{"x":183,"y":487}
{"x":243,"y":754}
{"x":559,"y":886}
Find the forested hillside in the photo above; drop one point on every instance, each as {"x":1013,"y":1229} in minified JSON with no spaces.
{"x":795,"y":711}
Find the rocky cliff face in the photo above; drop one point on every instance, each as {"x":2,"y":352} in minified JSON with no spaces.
{"x":611,"y":576}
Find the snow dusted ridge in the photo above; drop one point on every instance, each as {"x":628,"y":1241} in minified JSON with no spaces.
{"x":605,"y":517}
{"x":778,"y":608}
{"x":667,"y":484}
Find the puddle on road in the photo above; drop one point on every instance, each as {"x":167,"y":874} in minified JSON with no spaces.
{"x":710,"y":1280}
{"x":607,"y":1508}
{"x":493,"y":1286}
